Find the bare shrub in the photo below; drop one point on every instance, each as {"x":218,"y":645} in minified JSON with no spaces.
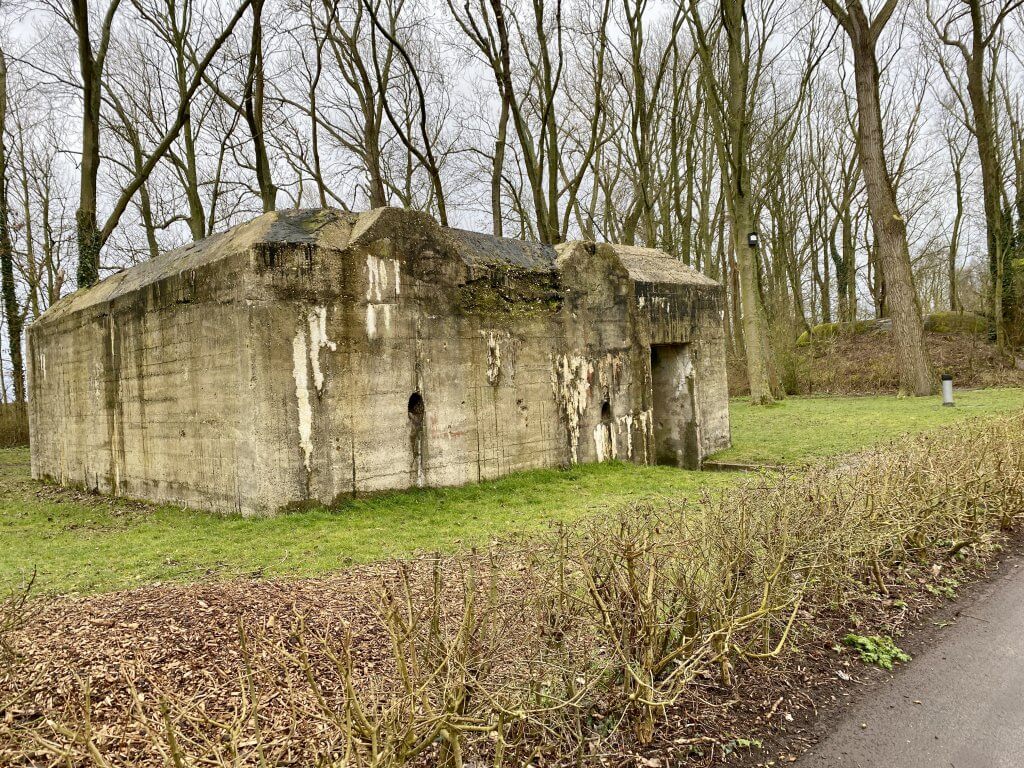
{"x":12,"y":617}
{"x":578,"y":643}
{"x":13,"y":425}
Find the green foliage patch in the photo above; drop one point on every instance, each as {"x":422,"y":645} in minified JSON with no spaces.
{"x":936,"y":322}
{"x":879,"y":650}
{"x":826,"y":331}
{"x":956,"y":322}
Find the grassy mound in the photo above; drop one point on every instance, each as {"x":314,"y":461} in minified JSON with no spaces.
{"x":937,"y":322}
{"x":955,"y":322}
{"x":829,"y":331}
{"x":865,"y":363}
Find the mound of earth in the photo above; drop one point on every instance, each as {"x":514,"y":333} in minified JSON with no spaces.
{"x":865,"y":364}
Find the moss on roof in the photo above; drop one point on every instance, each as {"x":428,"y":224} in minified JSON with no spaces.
{"x":332,"y":228}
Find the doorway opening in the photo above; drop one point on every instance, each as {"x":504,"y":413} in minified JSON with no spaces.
{"x":417,"y":417}
{"x":674,"y":406}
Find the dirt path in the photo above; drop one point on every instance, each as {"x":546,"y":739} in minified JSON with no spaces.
{"x":959,"y":704}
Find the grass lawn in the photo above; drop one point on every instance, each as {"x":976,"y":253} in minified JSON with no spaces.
{"x":94,"y":544}
{"x":82,"y":543}
{"x":801,"y":429}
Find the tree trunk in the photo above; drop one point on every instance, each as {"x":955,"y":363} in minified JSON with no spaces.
{"x":497,"y":222}
{"x":7,"y":287}
{"x":991,"y":175}
{"x":33,"y":265}
{"x":754,"y":323}
{"x":88,"y":233}
{"x":889,"y":226}
{"x":196,"y":213}
{"x":253,"y":103}
{"x":954,"y":240}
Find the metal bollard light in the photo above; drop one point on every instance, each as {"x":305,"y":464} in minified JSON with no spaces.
{"x":947,"y":390}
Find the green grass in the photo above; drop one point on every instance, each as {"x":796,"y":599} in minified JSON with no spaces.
{"x":80,"y":543}
{"x":98,"y":544}
{"x":802,"y":429}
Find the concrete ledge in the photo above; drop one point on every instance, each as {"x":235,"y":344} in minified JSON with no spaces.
{"x":735,"y":466}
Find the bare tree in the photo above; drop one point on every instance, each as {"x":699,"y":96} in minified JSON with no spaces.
{"x":91,"y":64}
{"x":889,"y":226}
{"x":12,"y":311}
{"x":972,"y":29}
{"x":732,"y":105}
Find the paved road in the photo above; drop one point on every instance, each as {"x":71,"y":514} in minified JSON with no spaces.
{"x":970,"y":685}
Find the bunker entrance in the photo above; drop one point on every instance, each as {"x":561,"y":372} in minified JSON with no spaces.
{"x":417,"y":416}
{"x":674,"y":406}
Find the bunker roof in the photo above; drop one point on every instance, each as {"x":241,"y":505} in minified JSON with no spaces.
{"x":650,"y":265}
{"x":332,"y":228}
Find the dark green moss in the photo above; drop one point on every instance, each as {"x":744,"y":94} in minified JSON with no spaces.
{"x":510,"y":293}
{"x":826,"y":331}
{"x":955,"y":322}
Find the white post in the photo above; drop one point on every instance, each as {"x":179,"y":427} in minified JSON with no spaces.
{"x":947,"y":390}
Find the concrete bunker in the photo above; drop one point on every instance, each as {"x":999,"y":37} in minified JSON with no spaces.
{"x":268,"y":365}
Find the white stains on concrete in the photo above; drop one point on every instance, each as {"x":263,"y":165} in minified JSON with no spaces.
{"x":378,"y":273}
{"x":684,"y":379}
{"x":601,"y":442}
{"x":380,"y":294}
{"x":662,"y":305}
{"x":493,"y":355}
{"x":609,"y":435}
{"x":376,"y":278}
{"x":318,"y":339}
{"x":378,"y":315}
{"x":627,"y":422}
{"x":687,"y":368}
{"x":371,"y":321}
{"x":609,"y":372}
{"x":97,"y":379}
{"x":301,"y":373}
{"x":42,"y":362}
{"x":605,"y":442}
{"x":646,"y":419}
{"x":571,"y":379}
{"x":309,"y":340}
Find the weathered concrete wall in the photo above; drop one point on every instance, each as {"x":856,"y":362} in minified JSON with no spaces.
{"x":307,"y":356}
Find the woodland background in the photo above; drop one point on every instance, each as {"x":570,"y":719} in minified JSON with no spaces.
{"x":133,"y":126}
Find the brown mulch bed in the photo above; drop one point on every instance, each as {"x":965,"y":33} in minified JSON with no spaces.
{"x":176,"y":641}
{"x":184,"y":642}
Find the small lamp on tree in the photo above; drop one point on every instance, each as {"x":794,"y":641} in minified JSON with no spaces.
{"x":752,"y":240}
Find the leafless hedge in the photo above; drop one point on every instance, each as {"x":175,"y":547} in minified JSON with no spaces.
{"x":580,"y":643}
{"x":13,"y":426}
